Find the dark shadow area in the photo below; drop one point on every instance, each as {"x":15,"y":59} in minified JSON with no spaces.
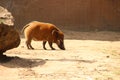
{"x":4,"y":58}
{"x":17,"y":62}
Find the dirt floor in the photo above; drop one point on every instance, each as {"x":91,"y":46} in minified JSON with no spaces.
{"x":88,"y":56}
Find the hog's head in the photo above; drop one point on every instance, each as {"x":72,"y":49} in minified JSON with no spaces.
{"x":58,"y":38}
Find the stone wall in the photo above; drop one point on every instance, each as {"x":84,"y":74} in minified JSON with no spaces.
{"x":79,"y":15}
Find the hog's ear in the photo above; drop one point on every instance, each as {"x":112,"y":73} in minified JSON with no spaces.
{"x":55,"y":33}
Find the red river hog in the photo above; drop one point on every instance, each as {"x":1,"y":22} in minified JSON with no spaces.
{"x":40,"y":31}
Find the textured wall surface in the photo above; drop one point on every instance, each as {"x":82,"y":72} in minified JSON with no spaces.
{"x":67,"y":14}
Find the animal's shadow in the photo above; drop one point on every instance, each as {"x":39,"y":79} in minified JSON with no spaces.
{"x":17,"y":62}
{"x":72,"y":60}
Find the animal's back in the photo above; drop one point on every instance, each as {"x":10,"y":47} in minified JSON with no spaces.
{"x":39,"y":30}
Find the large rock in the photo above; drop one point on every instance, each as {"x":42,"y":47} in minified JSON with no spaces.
{"x":9,"y":37}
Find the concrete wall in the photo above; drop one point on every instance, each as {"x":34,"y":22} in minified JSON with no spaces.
{"x":67,"y":14}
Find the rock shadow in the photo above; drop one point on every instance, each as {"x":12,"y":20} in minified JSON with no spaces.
{"x":17,"y":62}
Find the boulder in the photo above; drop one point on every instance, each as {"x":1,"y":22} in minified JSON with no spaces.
{"x":9,"y":37}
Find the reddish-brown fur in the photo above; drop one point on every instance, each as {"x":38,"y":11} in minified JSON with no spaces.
{"x":40,"y":31}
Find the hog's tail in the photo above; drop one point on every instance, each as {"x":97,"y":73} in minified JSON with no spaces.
{"x":24,"y":28}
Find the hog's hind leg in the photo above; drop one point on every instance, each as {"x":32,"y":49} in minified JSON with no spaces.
{"x":44,"y":42}
{"x":28,"y":43}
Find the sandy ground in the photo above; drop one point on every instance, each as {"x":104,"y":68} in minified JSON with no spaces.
{"x":88,"y":56}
